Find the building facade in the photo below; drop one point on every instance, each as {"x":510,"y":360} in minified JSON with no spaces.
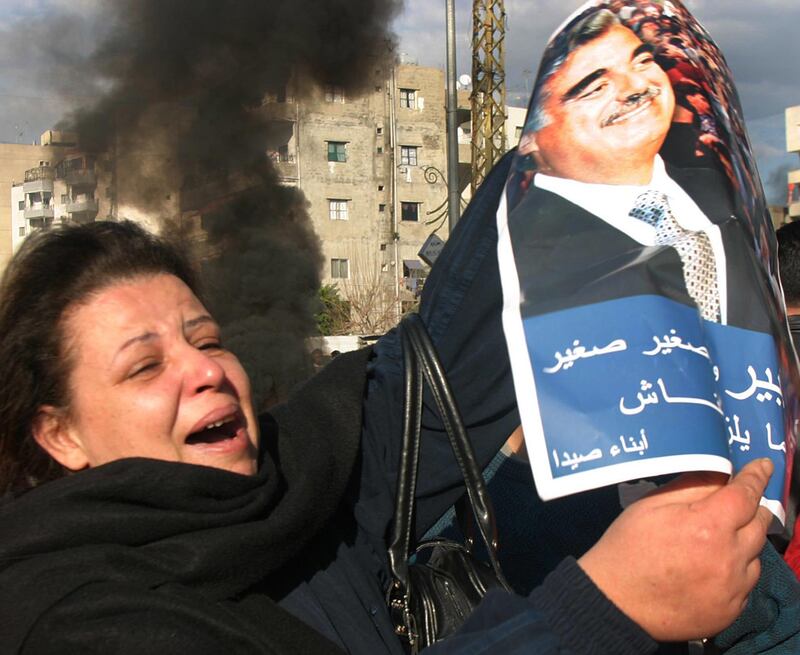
{"x":373,"y":169}
{"x":56,"y":183}
{"x":16,"y":160}
{"x":54,"y":194}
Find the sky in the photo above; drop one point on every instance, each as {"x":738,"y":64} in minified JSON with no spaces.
{"x":760,"y":39}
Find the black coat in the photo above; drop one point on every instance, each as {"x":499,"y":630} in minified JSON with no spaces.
{"x":567,"y":257}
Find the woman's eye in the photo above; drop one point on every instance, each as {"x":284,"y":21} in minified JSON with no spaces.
{"x":211,"y":344}
{"x":144,"y":367}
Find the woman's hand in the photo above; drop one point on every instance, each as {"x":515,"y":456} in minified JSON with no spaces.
{"x":681,"y":562}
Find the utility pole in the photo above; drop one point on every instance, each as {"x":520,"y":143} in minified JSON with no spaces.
{"x":488,"y":87}
{"x":453,"y":187}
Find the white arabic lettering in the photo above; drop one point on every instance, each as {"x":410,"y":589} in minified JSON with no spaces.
{"x":653,"y":399}
{"x":672,"y":341}
{"x":765,"y":388}
{"x":735,"y":433}
{"x":577,"y":351}
{"x":574,"y":460}
{"x":772,"y":446}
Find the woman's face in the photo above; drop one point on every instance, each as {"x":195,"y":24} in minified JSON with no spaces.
{"x":150,"y":378}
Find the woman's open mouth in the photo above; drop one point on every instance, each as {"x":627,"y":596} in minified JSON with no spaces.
{"x":218,"y":431}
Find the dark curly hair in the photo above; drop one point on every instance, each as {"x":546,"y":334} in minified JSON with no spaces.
{"x":789,"y":261}
{"x":52,"y":271}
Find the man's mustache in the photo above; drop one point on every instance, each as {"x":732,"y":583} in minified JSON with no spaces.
{"x":632,"y":102}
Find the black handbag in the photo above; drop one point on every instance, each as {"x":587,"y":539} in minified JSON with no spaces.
{"x":429,"y":601}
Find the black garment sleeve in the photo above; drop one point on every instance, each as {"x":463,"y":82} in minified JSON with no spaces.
{"x":566,"y":615}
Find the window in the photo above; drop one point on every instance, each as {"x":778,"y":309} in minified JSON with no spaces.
{"x":337,"y":151}
{"x":382,"y":207}
{"x":22,"y":231}
{"x":408,"y":155}
{"x":408,"y":98}
{"x":378,"y":131}
{"x":334,"y":94}
{"x":380,"y":187}
{"x":337,"y":209}
{"x":409,"y":211}
{"x":380,"y":150}
{"x":284,"y":155}
{"x":340,"y":268}
{"x":64,"y":199}
{"x":518,"y":132}
{"x":22,"y":204}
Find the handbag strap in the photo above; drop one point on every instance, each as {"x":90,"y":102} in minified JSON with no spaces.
{"x":420,"y":358}
{"x":407,"y":474}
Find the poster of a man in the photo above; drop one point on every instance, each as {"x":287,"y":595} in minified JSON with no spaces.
{"x":633,"y":216}
{"x":601,"y":114}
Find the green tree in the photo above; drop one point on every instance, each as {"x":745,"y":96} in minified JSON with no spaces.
{"x":334,"y":317}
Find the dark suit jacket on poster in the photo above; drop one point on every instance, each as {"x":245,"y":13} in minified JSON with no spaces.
{"x":567,"y":257}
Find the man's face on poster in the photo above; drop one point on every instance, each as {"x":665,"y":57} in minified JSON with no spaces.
{"x":607,"y":111}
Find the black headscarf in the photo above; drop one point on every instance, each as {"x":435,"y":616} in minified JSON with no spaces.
{"x":149,"y":556}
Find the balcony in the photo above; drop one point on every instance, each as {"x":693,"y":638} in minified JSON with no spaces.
{"x":81,"y":177}
{"x":285,"y":165}
{"x":40,"y":173}
{"x":39,"y":179}
{"x":81,"y":205}
{"x":39,"y":212}
{"x":280,"y":111}
{"x":287,"y":171}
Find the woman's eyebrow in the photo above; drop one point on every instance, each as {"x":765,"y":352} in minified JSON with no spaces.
{"x":146,"y":336}
{"x":198,"y":320}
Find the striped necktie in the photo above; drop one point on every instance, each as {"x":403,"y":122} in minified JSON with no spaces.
{"x":694,"y":250}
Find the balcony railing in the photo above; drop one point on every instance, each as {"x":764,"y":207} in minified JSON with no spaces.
{"x":40,"y":173}
{"x":287,"y":170}
{"x":280,"y":111}
{"x":81,"y":177}
{"x":82,"y":205}
{"x":38,"y":211}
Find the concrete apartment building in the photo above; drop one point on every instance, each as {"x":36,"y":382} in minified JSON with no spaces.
{"x":793,"y":145}
{"x":373,"y":169}
{"x":55,"y":183}
{"x":16,"y":160}
{"x":54,"y":193}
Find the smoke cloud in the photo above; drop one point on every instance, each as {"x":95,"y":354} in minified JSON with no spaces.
{"x":183,"y":86}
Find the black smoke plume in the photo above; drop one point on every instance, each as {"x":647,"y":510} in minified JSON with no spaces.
{"x":184,"y":83}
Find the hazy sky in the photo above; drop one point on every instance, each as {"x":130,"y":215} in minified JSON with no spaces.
{"x":760,"y":39}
